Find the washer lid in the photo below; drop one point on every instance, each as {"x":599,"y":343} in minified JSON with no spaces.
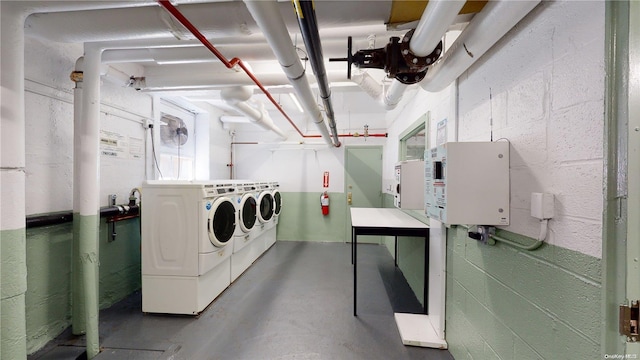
{"x":266,"y":207}
{"x":221,"y":223}
{"x":248,"y":212}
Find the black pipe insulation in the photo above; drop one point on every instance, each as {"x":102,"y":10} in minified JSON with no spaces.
{"x":33,"y":221}
{"x":309,"y":29}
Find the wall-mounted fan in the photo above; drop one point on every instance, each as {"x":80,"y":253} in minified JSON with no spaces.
{"x":173,"y":131}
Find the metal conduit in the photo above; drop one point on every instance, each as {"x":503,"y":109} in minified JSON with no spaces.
{"x":309,"y":28}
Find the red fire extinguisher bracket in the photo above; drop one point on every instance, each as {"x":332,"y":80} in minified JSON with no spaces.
{"x":324,"y":203}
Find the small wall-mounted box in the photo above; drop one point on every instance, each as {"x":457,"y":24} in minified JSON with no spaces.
{"x":468,"y":183}
{"x":542,"y":205}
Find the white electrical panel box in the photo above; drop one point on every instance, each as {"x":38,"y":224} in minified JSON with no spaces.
{"x":468,"y":183}
{"x":409,"y":191}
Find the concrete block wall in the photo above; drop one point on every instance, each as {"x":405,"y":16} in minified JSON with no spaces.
{"x":49,"y":188}
{"x":542,"y":88}
{"x":552,"y":112}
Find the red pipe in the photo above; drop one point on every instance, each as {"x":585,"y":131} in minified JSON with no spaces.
{"x":229,"y":64}
{"x":235,"y":61}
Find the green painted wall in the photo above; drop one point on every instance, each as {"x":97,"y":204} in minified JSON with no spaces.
{"x":48,"y":297}
{"x":410,"y":252}
{"x":503,"y":303}
{"x":14,"y":285}
{"x":301,"y":218}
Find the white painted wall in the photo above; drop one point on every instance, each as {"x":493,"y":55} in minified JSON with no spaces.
{"x":300,"y":167}
{"x":546,"y":80}
{"x":49,"y":122}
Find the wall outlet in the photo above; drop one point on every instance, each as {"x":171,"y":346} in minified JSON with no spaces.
{"x":542,"y":205}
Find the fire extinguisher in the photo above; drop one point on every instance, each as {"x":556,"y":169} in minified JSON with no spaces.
{"x":324,"y":203}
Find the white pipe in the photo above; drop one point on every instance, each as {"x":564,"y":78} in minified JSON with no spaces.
{"x":78,"y":308}
{"x":215,"y":20}
{"x":435,"y":20}
{"x":114,"y":75}
{"x":368,"y":84}
{"x":486,"y":28}
{"x":89,"y":190}
{"x":238,"y":96}
{"x":269,"y":20}
{"x":393,"y":95}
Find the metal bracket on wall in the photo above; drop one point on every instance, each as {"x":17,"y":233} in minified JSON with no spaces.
{"x":112,"y":225}
{"x":629,"y":320}
{"x":483,"y":234}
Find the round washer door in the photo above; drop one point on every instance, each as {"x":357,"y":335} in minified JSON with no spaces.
{"x":277,"y":201}
{"x":248,"y":212}
{"x":222,"y":221}
{"x":266,"y":207}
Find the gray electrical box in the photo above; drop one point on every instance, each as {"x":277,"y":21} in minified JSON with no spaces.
{"x":468,"y":183}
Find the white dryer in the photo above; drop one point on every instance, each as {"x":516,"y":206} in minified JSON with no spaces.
{"x":187,"y":239}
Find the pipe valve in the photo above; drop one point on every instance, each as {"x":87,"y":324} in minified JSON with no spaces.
{"x":396,"y":59}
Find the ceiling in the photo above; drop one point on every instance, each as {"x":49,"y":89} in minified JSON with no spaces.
{"x":144,"y":37}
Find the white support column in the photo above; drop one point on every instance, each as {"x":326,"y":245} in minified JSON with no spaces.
{"x":88,"y":190}
{"x":13,"y":273}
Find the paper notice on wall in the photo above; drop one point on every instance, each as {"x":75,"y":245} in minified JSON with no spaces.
{"x":441,"y":132}
{"x":113,"y":144}
{"x":136,"y":148}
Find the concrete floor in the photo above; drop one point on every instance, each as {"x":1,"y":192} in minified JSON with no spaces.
{"x":295,"y":302}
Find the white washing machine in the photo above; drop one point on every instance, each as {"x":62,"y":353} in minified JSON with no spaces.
{"x":187,"y":240}
{"x":245,"y":248}
{"x":266,"y":205}
{"x":271,"y":233}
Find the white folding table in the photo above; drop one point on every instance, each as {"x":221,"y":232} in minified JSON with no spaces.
{"x":415,"y":329}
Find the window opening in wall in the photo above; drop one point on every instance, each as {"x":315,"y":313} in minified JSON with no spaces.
{"x":177,"y":147}
{"x":413,"y":142}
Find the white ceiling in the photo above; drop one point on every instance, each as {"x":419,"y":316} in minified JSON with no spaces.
{"x":148,"y":37}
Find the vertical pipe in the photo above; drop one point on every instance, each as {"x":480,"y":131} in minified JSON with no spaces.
{"x":77,"y":288}
{"x":13,"y":270}
{"x":88,"y":192}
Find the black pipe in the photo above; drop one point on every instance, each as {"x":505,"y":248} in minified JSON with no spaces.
{"x":309,"y":28}
{"x":50,"y":219}
{"x":33,"y":221}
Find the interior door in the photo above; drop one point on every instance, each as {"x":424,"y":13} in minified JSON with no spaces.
{"x":363,"y":183}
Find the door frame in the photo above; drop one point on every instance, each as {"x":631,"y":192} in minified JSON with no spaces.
{"x":621,"y":238}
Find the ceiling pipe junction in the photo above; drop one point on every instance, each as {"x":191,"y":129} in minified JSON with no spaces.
{"x":396,"y":59}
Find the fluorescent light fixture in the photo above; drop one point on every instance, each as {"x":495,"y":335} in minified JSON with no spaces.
{"x":295,"y":101}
